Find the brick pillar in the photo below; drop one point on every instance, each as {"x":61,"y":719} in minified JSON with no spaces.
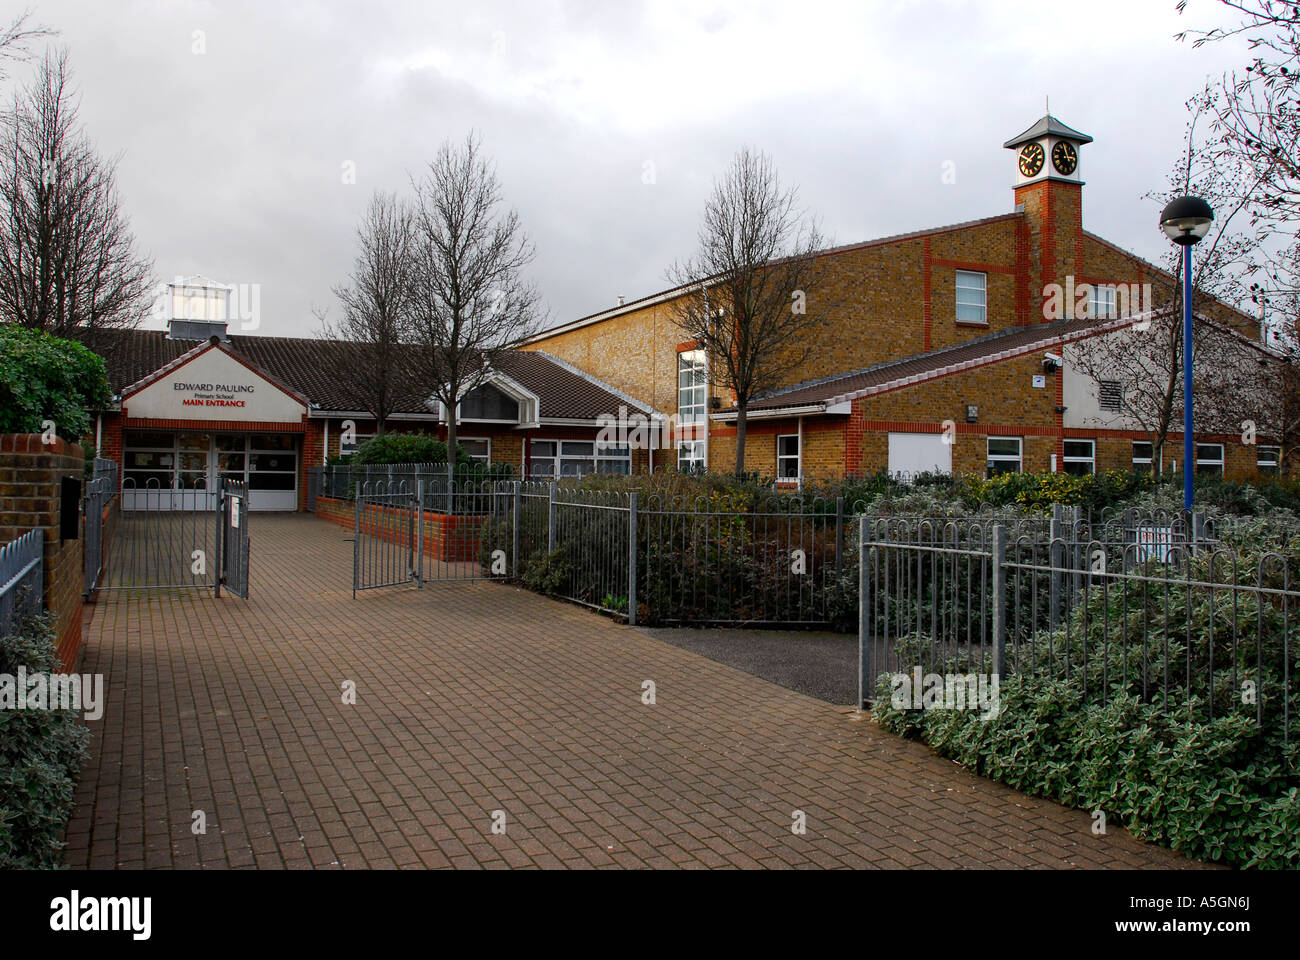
{"x":31,"y":475}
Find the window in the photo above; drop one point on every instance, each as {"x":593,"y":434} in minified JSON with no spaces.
{"x":149,"y":460}
{"x":692,"y":387}
{"x":1004,"y":455}
{"x":541,"y":458}
{"x":1080,"y":457}
{"x":1101,"y":302}
{"x":612,"y":459}
{"x":1142,"y":452}
{"x":488,"y":403}
{"x":478,"y":449}
{"x":787,"y":457}
{"x":972,"y":297}
{"x":690,"y":455}
{"x":576,"y":458}
{"x":1267,"y":459}
{"x":1110,"y":396}
{"x":1209,"y":459}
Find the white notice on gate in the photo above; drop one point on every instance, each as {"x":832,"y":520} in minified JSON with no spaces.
{"x":1153,"y":543}
{"x":234,"y":512}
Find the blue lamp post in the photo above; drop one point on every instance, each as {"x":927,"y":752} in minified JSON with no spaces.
{"x":1185,"y":221}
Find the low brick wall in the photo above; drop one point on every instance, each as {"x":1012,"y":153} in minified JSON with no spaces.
{"x":31,"y":474}
{"x":447,"y":537}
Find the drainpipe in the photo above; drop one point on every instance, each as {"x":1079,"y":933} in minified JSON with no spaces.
{"x":99,"y":433}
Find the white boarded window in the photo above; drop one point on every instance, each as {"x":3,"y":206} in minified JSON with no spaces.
{"x":972,"y":297}
{"x":1101,"y":302}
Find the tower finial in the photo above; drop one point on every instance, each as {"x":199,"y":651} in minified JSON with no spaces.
{"x":1047,"y":104}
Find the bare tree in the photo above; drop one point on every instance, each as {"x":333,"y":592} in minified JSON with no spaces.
{"x":1256,"y":112}
{"x":375,"y":309}
{"x":1147,"y":360}
{"x":15,"y":38}
{"x":469,"y":299}
{"x":68,"y":263}
{"x":755,"y":289}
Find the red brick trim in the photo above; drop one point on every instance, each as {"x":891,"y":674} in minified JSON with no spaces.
{"x":1023,"y":298}
{"x":927,"y":267}
{"x":689,"y":345}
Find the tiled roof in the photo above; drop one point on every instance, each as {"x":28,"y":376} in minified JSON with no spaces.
{"x":313,"y":369}
{"x":924,"y":366}
{"x":1048,"y":126}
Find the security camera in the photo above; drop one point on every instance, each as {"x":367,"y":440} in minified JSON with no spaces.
{"x":1051,"y":361}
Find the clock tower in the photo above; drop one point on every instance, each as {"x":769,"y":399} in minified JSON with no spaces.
{"x":1049,"y":190}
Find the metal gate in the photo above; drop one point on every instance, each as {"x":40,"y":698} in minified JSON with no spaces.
{"x":416,"y":531}
{"x":384,"y":544}
{"x":94,"y":506}
{"x":167,"y":539}
{"x":233,"y":542}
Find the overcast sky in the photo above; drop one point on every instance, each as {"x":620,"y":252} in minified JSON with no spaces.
{"x":234,"y":141}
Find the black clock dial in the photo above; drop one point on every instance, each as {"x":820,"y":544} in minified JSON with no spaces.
{"x":1064,"y":158}
{"x":1031,"y":159}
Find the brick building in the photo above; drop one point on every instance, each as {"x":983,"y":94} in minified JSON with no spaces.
{"x":949,"y":330}
{"x":195,"y":404}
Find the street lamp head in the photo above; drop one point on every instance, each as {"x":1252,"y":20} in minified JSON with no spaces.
{"x":1186,"y":220}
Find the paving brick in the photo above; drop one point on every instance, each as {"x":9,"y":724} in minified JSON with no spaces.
{"x":474,"y":697}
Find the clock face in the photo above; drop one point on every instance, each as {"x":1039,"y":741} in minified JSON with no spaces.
{"x":1031,"y":159}
{"x":1064,"y":158}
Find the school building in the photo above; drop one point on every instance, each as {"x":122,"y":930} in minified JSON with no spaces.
{"x":194,"y":404}
{"x":946,"y":352}
{"x":950,"y":324}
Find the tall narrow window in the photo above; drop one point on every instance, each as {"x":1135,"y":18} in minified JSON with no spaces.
{"x":787,"y":457}
{"x":972,"y":297}
{"x":692,"y":387}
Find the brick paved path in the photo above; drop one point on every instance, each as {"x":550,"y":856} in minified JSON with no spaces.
{"x":473,"y":698}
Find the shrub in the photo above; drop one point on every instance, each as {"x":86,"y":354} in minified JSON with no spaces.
{"x":547,"y":573}
{"x":40,"y":754}
{"x":1147,"y":753}
{"x":47,"y":378}
{"x":401,"y":448}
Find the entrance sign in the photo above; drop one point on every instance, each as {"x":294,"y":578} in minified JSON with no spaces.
{"x":1153,"y":543}
{"x":214,"y":386}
